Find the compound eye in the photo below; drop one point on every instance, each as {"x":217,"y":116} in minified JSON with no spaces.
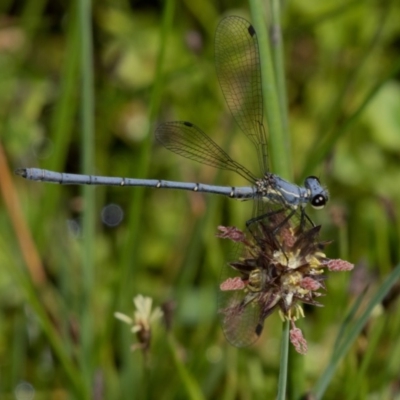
{"x":318,"y":201}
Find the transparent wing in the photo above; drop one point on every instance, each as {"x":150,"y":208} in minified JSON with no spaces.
{"x":237,"y":62}
{"x":191,"y":142}
{"x":240,"y":323}
{"x":239,"y":312}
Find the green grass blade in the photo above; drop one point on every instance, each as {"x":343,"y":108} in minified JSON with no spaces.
{"x":128,"y":275}
{"x":279,"y":66}
{"x":348,"y":318}
{"x":188,"y":381}
{"x":56,"y":341}
{"x":63,"y":118}
{"x":321,"y":153}
{"x":142,"y":166}
{"x":278,"y":145}
{"x":352,"y":335}
{"x":374,"y":338}
{"x":87,"y":118}
{"x":326,"y":16}
{"x":275,"y":103}
{"x":333,"y":111}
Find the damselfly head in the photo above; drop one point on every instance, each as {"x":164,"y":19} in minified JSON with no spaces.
{"x":318,"y":194}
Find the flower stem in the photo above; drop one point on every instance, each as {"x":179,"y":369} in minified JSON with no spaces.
{"x":283,"y":362}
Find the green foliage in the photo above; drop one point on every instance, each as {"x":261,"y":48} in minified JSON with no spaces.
{"x":155,"y":63}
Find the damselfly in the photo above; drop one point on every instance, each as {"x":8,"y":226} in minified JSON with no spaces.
{"x":239,"y":72}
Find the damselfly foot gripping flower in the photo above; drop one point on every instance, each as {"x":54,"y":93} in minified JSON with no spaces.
{"x":281,"y":267}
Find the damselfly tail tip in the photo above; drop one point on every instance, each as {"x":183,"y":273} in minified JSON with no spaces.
{"x":21,"y":172}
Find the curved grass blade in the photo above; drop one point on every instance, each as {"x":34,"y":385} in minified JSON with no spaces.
{"x":353,"y":333}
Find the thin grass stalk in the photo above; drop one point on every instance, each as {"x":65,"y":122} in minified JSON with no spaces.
{"x":295,"y":368}
{"x":323,"y":17}
{"x":277,"y":142}
{"x":46,"y":324}
{"x":296,"y":377}
{"x":274,"y":95}
{"x":205,"y":11}
{"x":17,"y":355}
{"x":232,"y":380}
{"x":397,"y":204}
{"x":353,"y":333}
{"x":32,"y":15}
{"x":62,"y":119}
{"x":192,"y":389}
{"x":374,"y":339}
{"x":143,"y":163}
{"x":344,"y":240}
{"x":31,"y":20}
{"x":393,"y":361}
{"x":333,"y":111}
{"x":87,"y":119}
{"x":127,"y":281}
{"x":282,"y":382}
{"x":348,"y":318}
{"x":279,"y":67}
{"x":382,"y":230}
{"x":331,"y":140}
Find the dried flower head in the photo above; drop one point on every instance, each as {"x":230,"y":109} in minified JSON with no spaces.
{"x":143,"y":318}
{"x":282,"y":267}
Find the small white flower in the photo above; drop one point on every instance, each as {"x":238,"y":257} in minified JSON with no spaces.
{"x":123,"y":318}
{"x":143,"y":318}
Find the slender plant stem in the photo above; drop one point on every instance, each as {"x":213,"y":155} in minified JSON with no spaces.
{"x":277,"y":140}
{"x":279,"y":67}
{"x":330,"y":141}
{"x":274,"y":95}
{"x":296,"y":375}
{"x":327,"y":136}
{"x":130,"y":250}
{"x":192,"y":389}
{"x":323,"y":17}
{"x":47,"y":325}
{"x":283,"y":361}
{"x":295,"y":361}
{"x":65,"y":110}
{"x":144,"y":161}
{"x":353,"y":333}
{"x":87,"y":118}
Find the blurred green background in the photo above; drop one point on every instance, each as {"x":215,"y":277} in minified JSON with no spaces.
{"x":57,"y":329}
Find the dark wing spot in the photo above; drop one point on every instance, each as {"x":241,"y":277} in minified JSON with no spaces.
{"x":259,"y":329}
{"x":187,"y":123}
{"x":251,"y":30}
